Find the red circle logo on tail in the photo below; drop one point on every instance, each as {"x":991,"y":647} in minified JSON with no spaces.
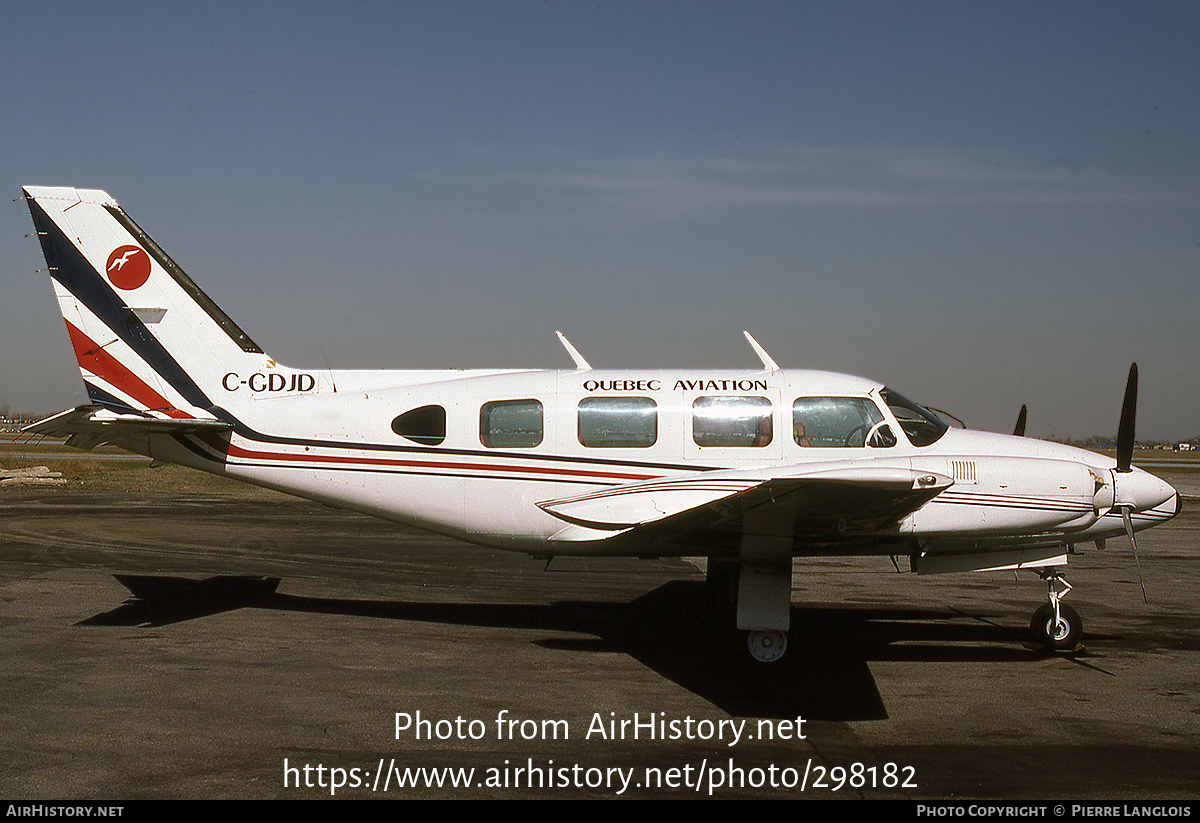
{"x":128,"y":267}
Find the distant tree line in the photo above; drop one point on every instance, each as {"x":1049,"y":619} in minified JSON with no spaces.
{"x":1098,"y":442}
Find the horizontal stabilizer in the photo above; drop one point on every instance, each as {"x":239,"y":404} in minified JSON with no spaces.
{"x":88,"y":426}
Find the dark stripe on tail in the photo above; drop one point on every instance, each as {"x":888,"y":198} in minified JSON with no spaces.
{"x":186,"y":283}
{"x":70,"y":268}
{"x":102,"y":398}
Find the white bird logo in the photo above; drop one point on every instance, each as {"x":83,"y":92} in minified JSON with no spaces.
{"x":120,"y":262}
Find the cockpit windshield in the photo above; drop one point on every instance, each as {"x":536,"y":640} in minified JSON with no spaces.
{"x":920,"y":425}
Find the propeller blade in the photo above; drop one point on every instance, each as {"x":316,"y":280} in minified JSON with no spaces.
{"x":1133,"y":542}
{"x":1019,"y":431}
{"x":1124,"y":465}
{"x":1128,"y":413}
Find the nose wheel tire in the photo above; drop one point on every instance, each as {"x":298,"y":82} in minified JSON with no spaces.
{"x":766,"y":646}
{"x":1060,"y":635}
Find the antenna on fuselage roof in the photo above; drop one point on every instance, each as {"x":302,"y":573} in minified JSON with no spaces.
{"x":768,"y":363}
{"x":328,"y":368}
{"x":580,"y":363}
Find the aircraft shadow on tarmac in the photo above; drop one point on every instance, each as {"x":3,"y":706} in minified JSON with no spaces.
{"x":673,"y":630}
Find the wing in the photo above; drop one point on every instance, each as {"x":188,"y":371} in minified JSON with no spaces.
{"x":86,"y":427}
{"x":846,"y":500}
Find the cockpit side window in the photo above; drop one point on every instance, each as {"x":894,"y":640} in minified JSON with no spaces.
{"x":839,"y":423}
{"x":920,"y":425}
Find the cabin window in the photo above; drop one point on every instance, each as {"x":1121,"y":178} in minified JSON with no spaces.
{"x":511,"y":424}
{"x":743,"y":422}
{"x":425,"y":425}
{"x":618,"y":422}
{"x":839,"y":422}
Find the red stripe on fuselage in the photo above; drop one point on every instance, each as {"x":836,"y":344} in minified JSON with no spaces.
{"x":237,"y":451}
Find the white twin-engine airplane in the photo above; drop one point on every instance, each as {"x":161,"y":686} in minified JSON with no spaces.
{"x":749,"y":468}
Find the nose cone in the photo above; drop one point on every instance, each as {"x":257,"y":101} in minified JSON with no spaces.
{"x":1144,"y":492}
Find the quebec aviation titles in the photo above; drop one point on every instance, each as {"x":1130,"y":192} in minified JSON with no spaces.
{"x":680,"y":385}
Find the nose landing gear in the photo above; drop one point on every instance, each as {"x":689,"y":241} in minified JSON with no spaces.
{"x":1056,"y":625}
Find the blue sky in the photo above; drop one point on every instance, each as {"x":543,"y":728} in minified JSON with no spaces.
{"x":981,"y":204}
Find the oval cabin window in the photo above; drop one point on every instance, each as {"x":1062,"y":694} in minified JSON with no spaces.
{"x":425,"y":425}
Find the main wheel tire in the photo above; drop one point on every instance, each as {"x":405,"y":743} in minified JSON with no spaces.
{"x":1061,"y":636}
{"x":766,"y":646}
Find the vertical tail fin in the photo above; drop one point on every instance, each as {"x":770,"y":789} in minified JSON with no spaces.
{"x":146,"y":337}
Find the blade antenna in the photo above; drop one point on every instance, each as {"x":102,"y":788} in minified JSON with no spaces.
{"x":1019,"y":431}
{"x":580,"y":363}
{"x":768,"y":363}
{"x":328,"y":368}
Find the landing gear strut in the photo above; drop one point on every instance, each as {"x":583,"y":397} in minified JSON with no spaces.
{"x":765,"y":643}
{"x":1055,"y":624}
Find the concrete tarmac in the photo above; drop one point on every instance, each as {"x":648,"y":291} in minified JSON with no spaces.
{"x":592,"y":678}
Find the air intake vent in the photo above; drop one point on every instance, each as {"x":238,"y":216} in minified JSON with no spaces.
{"x":963,"y":471}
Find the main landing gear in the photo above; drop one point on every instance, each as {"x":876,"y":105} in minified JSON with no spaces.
{"x":766,"y":646}
{"x":1056,"y":625}
{"x":759,"y":596}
